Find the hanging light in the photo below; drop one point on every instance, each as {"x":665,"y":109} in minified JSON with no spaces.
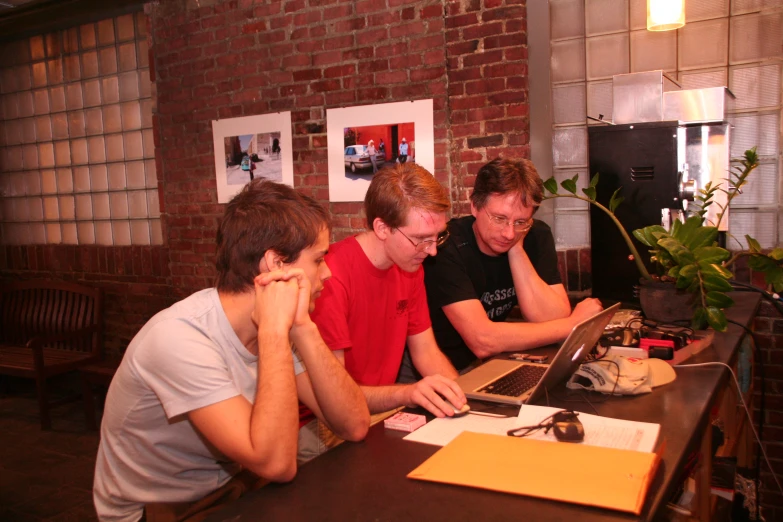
{"x":665,"y":15}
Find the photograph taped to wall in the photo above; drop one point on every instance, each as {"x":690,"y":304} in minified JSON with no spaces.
{"x":364,"y":139}
{"x":250,"y":147}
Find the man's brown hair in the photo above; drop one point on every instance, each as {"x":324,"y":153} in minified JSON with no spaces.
{"x":397,"y":189}
{"x":264,"y":216}
{"x":504,"y":176}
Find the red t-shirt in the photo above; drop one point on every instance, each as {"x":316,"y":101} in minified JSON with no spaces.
{"x":369,"y":313}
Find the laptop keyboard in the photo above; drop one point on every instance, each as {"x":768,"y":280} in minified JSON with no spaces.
{"x":517,"y":382}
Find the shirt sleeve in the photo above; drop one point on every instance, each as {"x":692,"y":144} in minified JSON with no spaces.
{"x":419,"y":312}
{"x":540,"y":248}
{"x":331,"y":314}
{"x":184,"y":369}
{"x":446,"y":278}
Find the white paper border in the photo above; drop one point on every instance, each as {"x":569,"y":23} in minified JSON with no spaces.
{"x":419,"y":112}
{"x":259,"y":124}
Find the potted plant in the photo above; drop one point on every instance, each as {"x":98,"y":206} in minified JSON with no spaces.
{"x":687,"y":255}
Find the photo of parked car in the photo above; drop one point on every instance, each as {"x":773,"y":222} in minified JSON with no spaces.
{"x":357,"y":158}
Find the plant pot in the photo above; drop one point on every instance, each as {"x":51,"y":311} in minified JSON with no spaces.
{"x":662,"y":301}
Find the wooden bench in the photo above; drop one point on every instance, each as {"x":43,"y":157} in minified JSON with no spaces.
{"x":48,"y":328}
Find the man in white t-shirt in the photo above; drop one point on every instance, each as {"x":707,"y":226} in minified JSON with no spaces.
{"x":210,"y":386}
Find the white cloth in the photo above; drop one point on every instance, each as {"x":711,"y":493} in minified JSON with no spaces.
{"x":186,"y":357}
{"x":636,"y":375}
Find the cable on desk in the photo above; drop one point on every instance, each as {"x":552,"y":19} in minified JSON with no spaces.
{"x":747,"y":412}
{"x":774,"y":299}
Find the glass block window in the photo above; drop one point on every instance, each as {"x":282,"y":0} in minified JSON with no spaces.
{"x":77,"y":160}
{"x":723,"y":43}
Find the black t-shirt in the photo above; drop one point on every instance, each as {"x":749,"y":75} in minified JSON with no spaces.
{"x":460,"y":271}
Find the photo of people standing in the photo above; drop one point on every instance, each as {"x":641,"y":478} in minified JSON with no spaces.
{"x":253,"y":155}
{"x":366,"y":151}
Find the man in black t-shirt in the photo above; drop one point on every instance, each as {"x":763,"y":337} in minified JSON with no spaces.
{"x":496,"y":258}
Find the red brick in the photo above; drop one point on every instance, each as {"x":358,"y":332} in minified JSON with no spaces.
{"x":483,"y":58}
{"x":436,"y":56}
{"x":504,"y":13}
{"x":307,"y":74}
{"x":487,"y":113}
{"x":384,"y":18}
{"x":350,"y":25}
{"x":373,"y":93}
{"x":461,"y":20}
{"x":327,"y":58}
{"x":326,"y":85}
{"x":431,"y":11}
{"x":505,"y":69}
{"x":427,"y":42}
{"x":340,"y":98}
{"x":307,"y":18}
{"x":339,"y":11}
{"x":406,"y":61}
{"x":340,"y":70}
{"x":418,"y":75}
{"x":359,"y":54}
{"x":485,"y":86}
{"x":294,"y":5}
{"x":462,"y":48}
{"x":297,"y":61}
{"x":483,"y":30}
{"x":471,"y":129}
{"x":391,"y":77}
{"x":371,"y":36}
{"x":398,"y":31}
{"x":506,"y":40}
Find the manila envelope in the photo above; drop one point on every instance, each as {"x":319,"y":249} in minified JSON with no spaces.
{"x":552,"y":470}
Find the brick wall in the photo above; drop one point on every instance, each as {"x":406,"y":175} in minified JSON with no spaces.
{"x":242,"y":58}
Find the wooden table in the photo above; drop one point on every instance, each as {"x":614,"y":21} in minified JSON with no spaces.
{"x":367,"y":480}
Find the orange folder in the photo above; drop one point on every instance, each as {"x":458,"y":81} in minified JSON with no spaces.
{"x":554,"y":470}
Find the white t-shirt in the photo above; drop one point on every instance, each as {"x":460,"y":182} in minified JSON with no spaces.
{"x":186,"y":357}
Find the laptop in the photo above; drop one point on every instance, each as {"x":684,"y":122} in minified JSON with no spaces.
{"x":519,"y":382}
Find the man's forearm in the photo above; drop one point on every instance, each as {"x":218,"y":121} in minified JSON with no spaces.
{"x":385,"y":398}
{"x":538,"y":301}
{"x":341,"y":400}
{"x":274,"y":415}
{"x":495,"y":338}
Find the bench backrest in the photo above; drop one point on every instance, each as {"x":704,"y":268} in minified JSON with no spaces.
{"x":38,"y":307}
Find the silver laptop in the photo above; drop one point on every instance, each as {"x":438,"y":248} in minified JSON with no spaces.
{"x":518,"y":382}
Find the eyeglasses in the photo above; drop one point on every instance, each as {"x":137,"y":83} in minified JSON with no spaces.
{"x":522,"y":225}
{"x":422,"y":246}
{"x":546,"y":424}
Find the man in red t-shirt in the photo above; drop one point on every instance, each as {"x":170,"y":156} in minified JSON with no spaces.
{"x":375,"y":301}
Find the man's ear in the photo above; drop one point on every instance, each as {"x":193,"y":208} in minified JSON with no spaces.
{"x":271,"y":260}
{"x":381,"y":229}
{"x":473,"y":210}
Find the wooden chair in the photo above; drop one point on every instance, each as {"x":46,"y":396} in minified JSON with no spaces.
{"x":48,"y":328}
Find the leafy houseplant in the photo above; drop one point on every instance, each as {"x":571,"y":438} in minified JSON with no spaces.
{"x":687,"y":254}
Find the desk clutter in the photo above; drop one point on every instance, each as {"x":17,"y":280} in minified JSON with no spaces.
{"x":476,"y":452}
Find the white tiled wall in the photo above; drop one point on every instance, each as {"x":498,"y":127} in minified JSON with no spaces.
{"x":76,"y":149}
{"x":736,"y":43}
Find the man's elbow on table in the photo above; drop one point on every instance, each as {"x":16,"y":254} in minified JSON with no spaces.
{"x":483,"y":344}
{"x":356,"y":430}
{"x":278,"y":470}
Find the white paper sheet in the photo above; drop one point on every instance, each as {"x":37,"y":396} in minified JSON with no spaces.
{"x":599,"y":431}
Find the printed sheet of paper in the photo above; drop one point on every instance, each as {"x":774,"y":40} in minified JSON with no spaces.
{"x":599,"y":431}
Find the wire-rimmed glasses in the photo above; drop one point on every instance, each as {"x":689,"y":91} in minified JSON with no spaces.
{"x":423,"y":245}
{"x":500,"y":222}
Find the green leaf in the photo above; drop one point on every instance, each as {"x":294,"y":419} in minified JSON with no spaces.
{"x":689,"y":271}
{"x":569,"y":185}
{"x":701,"y":237}
{"x":682,"y":255}
{"x":699,"y":320}
{"x":673,"y":272}
{"x":711,"y":254}
{"x":640,"y":236}
{"x":719,"y":300}
{"x":753,"y":245}
{"x":716,"y":319}
{"x":616,"y":199}
{"x":715,"y":283}
{"x":776,"y":254}
{"x":684,"y":282}
{"x":551,"y":185}
{"x":713,"y":269}
{"x":762,"y":263}
{"x":589,"y":192}
{"x":594,"y":180}
{"x":676,"y":225}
